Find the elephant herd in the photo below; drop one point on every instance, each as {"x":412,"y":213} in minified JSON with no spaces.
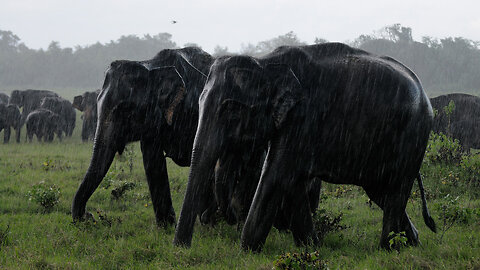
{"x":45,"y":114}
{"x":260,"y":134}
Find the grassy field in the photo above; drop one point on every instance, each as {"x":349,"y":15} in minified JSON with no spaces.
{"x":125,"y":236}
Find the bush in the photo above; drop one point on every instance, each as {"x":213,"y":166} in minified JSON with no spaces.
{"x":46,"y":196}
{"x":443,"y":149}
{"x":471,"y":167}
{"x":302,"y":260}
{"x":325,"y":222}
{"x":397,"y":240}
{"x":450,"y":212}
{"x":122,"y":188}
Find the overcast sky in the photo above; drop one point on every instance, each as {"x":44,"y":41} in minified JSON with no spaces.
{"x":231,"y":23}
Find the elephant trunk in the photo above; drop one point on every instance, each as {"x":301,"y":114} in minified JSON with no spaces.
{"x":102,"y":157}
{"x":204,"y":157}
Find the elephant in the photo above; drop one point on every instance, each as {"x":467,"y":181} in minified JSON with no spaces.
{"x":4,"y":98}
{"x":44,"y":124}
{"x":29,"y":100}
{"x":154,"y":102}
{"x":325,"y":111}
{"x":462,"y":123}
{"x":63,"y":108}
{"x":87,"y":103}
{"x":10,"y":117}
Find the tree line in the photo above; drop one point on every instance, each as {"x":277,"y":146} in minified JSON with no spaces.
{"x":445,"y":65}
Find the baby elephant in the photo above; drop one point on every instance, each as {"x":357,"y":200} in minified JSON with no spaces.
{"x":44,"y":123}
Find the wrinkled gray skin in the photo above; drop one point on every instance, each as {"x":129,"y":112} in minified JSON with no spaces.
{"x":10,"y":117}
{"x":87,"y":103}
{"x":63,"y":108}
{"x":463,"y":123}
{"x":237,"y":173}
{"x":156,"y":102}
{"x":324,"y":111}
{"x":29,"y":100}
{"x":44,"y":124}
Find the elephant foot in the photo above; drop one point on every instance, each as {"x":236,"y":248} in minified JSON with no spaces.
{"x":166,"y":220}
{"x":208,"y":217}
{"x":87,"y":216}
{"x":398,"y":234}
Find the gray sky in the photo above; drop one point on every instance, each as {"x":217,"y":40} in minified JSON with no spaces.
{"x":231,"y":23}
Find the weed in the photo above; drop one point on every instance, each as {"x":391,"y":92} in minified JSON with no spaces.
{"x":4,"y":236}
{"x":451,"y":212}
{"x":46,"y":196}
{"x":122,"y":188}
{"x":325,"y":222}
{"x":48,"y":164}
{"x":443,"y":149}
{"x":471,"y":167}
{"x":397,"y":240}
{"x":302,"y":260}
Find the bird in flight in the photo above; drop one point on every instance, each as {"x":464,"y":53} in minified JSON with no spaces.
{"x":174,"y":22}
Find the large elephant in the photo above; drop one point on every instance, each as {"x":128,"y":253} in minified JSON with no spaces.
{"x":328,"y":111}
{"x":462,"y":122}
{"x":10,"y":117}
{"x":30,"y":100}
{"x":156,"y":102}
{"x":4,"y":98}
{"x":87,"y":103}
{"x":63,"y":108}
{"x":44,"y":124}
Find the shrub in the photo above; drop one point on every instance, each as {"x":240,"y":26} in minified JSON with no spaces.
{"x":397,"y":240}
{"x":325,"y":222}
{"x":450,"y":212}
{"x":302,"y":260}
{"x":122,"y":188}
{"x":471,"y":167}
{"x":48,"y":164}
{"x":46,"y":196}
{"x":443,"y":149}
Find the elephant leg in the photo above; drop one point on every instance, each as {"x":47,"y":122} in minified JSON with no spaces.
{"x":29,"y":135}
{"x":265,"y":202}
{"x":6,"y":135}
{"x":314,"y":189}
{"x":157,"y":177}
{"x":395,"y":218}
{"x":85,"y":130}
{"x":18,"y":134}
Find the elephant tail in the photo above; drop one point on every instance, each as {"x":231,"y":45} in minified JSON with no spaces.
{"x":426,"y":214}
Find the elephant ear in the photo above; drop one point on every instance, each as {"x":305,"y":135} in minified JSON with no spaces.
{"x":286,"y":89}
{"x":78,"y":103}
{"x":168,"y":86}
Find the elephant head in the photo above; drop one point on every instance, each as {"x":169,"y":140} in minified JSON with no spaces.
{"x":135,"y":102}
{"x":4,"y":98}
{"x":87,"y":103}
{"x":16,"y":98}
{"x":242,"y":105}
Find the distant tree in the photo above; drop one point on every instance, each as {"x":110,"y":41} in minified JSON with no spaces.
{"x":191,"y":44}
{"x":220,"y":51}
{"x":249,"y":49}
{"x":289,"y":39}
{"x":320,"y":40}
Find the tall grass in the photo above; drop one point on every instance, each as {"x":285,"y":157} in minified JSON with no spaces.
{"x":125,"y":236}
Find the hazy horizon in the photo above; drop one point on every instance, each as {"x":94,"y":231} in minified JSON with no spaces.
{"x":233,"y":24}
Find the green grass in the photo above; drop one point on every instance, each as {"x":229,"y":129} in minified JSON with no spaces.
{"x":127,"y":237}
